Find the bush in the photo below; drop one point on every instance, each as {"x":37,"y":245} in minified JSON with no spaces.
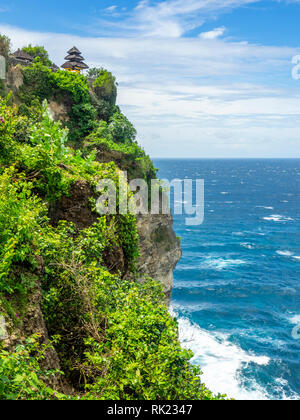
{"x":21,"y":377}
{"x":121,"y":129}
{"x":82,"y":121}
{"x":39,"y":52}
{"x":104,"y":92}
{"x":5,"y":46}
{"x":105,"y":86}
{"x":21,"y":216}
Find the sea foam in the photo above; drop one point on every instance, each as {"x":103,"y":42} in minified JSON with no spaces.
{"x":220,"y":263}
{"x":220,"y":361}
{"x":278,"y":218}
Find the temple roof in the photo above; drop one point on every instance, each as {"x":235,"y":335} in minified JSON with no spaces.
{"x":74,"y":50}
{"x":22,"y":55}
{"x":74,"y":60}
{"x":74,"y":57}
{"x":74,"y":64}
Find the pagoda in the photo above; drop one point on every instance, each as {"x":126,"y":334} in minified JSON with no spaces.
{"x":75,"y":62}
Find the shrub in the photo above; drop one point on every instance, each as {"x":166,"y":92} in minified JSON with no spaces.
{"x":104,"y":93}
{"x":105,"y":86}
{"x":21,"y":377}
{"x":40,"y":52}
{"x":21,"y":216}
{"x":5,"y":46}
{"x":82,"y":121}
{"x":121,"y":129}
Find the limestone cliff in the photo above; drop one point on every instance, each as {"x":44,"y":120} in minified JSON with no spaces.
{"x":159,"y":248}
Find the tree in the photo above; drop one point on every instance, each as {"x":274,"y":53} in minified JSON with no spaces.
{"x":40,"y":52}
{"x":121,"y":128}
{"x":5,"y":45}
{"x":105,"y":86}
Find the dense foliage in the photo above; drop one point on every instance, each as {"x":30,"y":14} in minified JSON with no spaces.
{"x":21,"y":375}
{"x":114,"y":336}
{"x":38,"y":51}
{"x":5,"y":46}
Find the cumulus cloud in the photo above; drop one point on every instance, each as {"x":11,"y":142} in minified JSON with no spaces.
{"x":216,"y":33}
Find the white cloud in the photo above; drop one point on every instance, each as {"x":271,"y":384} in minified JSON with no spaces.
{"x":216,"y":33}
{"x":194,"y":96}
{"x":111,"y":8}
{"x":168,"y":18}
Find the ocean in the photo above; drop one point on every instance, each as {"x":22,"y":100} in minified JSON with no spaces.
{"x":237,"y":287}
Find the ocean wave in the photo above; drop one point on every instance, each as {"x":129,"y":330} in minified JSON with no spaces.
{"x":288,"y":254}
{"x":285,"y":253}
{"x":221,"y":361}
{"x":278,"y":218}
{"x":265,"y":207}
{"x":221,"y":263}
{"x":295,"y":320}
{"x":247,"y":246}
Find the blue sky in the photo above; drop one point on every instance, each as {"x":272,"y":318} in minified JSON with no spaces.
{"x":199,"y":78}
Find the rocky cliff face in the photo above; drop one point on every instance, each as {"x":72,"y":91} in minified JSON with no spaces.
{"x":159,"y":249}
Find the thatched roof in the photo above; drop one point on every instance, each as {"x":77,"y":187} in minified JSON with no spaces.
{"x":74,"y":65}
{"x":74,"y":57}
{"x":74,"y":60}
{"x":74,"y":50}
{"x":22,"y":55}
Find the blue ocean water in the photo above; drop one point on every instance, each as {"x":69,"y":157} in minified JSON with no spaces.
{"x":237,"y":287}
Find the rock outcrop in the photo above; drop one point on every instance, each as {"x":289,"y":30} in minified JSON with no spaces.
{"x":159,"y":249}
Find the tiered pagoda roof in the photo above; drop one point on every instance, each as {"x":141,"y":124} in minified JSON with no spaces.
{"x":75,"y":62}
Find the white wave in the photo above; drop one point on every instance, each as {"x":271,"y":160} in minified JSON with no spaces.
{"x":278,"y":218}
{"x":285,"y":253}
{"x":221,"y":263}
{"x":224,"y":192}
{"x":265,"y":207}
{"x":295,"y":319}
{"x":220,"y":361}
{"x":238,"y":234}
{"x":247,"y":246}
{"x":296,"y":257}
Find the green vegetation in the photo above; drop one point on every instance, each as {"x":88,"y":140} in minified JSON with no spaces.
{"x":38,"y":52}
{"x":21,"y":375}
{"x":5,"y":46}
{"x":114,"y":336}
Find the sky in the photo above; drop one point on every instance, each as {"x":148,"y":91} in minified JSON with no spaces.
{"x":198,"y":78}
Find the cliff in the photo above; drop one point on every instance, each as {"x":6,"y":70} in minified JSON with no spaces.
{"x":82,"y":296}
